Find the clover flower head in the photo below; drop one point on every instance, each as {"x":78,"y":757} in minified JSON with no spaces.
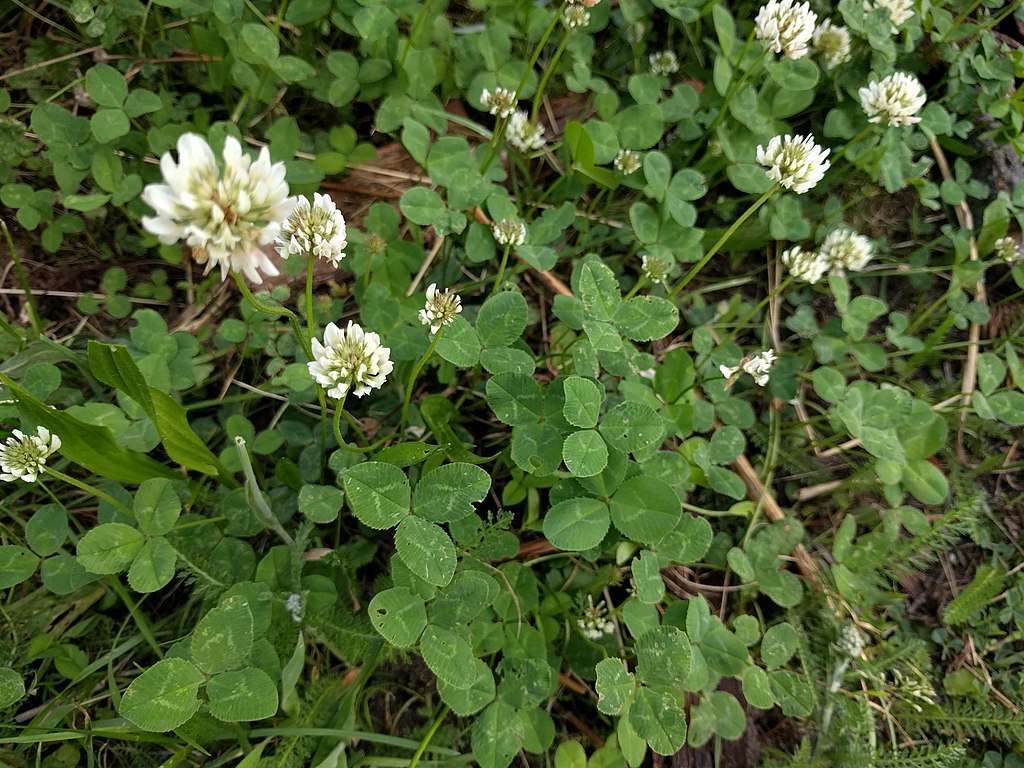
{"x":23,"y":457}
{"x":1006,"y":248}
{"x":808,"y":266}
{"x":627,"y":161}
{"x":440,"y":309}
{"x":795,"y":162}
{"x":894,"y":100}
{"x":501,"y":101}
{"x":832,"y":42}
{"x":509,"y":232}
{"x":846,"y":250}
{"x":786,"y":27}
{"x":575,"y":16}
{"x":349,"y":360}
{"x":594,"y":622}
{"x":316,"y":228}
{"x":655,"y":268}
{"x":899,"y":10}
{"x":758,"y":367}
{"x":664,"y":63}
{"x":226,"y":215}
{"x":522,"y":134}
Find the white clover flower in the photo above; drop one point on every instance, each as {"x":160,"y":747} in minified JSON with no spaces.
{"x":899,"y":10}
{"x":832,"y":42}
{"x":440,"y":309}
{"x":575,"y":16}
{"x":1006,"y":248}
{"x":809,"y":266}
{"x":895,"y":99}
{"x":655,"y":268}
{"x":786,"y":26}
{"x":795,"y":162}
{"x":23,"y":457}
{"x":756,"y":366}
{"x":845,"y":250}
{"x":349,"y":360}
{"x":317,"y":229}
{"x":627,"y":161}
{"x":509,"y":232}
{"x":594,"y":622}
{"x":225,"y":216}
{"x":523,"y":135}
{"x":664,"y":63}
{"x":501,"y":102}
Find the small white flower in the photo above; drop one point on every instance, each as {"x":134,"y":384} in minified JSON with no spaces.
{"x":295,"y":605}
{"x":349,"y":360}
{"x":895,"y":99}
{"x":832,"y":42}
{"x":899,"y":10}
{"x":757,"y":366}
{"x":655,"y":268}
{"x":317,"y":229}
{"x":786,"y":26}
{"x":627,"y":161}
{"x":523,"y":135}
{"x":664,"y":63}
{"x":575,"y":16}
{"x":795,"y":162}
{"x":440,"y":309}
{"x":594,"y":622}
{"x":225,"y":216}
{"x":23,"y":457}
{"x":809,"y":266}
{"x":509,"y":232}
{"x":500,"y":102}
{"x":1006,"y":248}
{"x":845,"y":250}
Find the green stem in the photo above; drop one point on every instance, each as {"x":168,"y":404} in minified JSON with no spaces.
{"x":90,"y":489}
{"x":311,"y":330}
{"x":417,"y":23}
{"x":339,"y":409}
{"x":549,"y":70}
{"x":275,"y":310}
{"x":427,"y":738}
{"x":695,"y":270}
{"x":19,"y":269}
{"x":501,"y":270}
{"x":860,"y":135}
{"x":760,"y":305}
{"x":310,"y":319}
{"x":640,"y":283}
{"x":416,"y":372}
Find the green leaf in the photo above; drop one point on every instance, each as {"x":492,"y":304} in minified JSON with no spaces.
{"x":451,"y":492}
{"x":646,"y":318}
{"x":719,"y":714}
{"x":632,"y":427}
{"x":657,"y":716}
{"x":449,"y":656}
{"x":583,"y":398}
{"x":141,"y":102}
{"x":925,"y":481}
{"x":574,"y":525}
{"x":154,"y":566}
{"x":16,"y":565}
{"x":320,"y":503}
{"x":163,"y":697}
{"x":242,"y":695}
{"x":757,"y":687}
{"x":91,"y":446}
{"x":515,"y":398}
{"x":615,"y":686}
{"x":398,"y":615}
{"x":427,"y":550}
{"x":585,"y":453}
{"x":459,"y":343}
{"x":647,"y":584}
{"x":109,"y":548}
{"x":536,"y":448}
{"x":422,"y":206}
{"x":793,"y":693}
{"x":598,"y":290}
{"x":468,"y":701}
{"x":497,"y":736}
{"x":778,"y":645}
{"x":645,"y":509}
{"x":639,"y":126}
{"x":156,"y":506}
{"x":223,"y":638}
{"x":664,"y":656}
{"x":47,"y":529}
{"x":109,"y":124}
{"x":988,"y":582}
{"x":502,"y":319}
{"x":114,"y":366}
{"x":378,"y":493}
{"x":12,"y":687}
{"x":105,"y":85}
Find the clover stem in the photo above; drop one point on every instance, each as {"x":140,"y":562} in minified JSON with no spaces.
{"x":416,"y":372}
{"x":425,"y":742}
{"x":311,"y":330}
{"x":641,"y":282}
{"x":275,"y":310}
{"x":501,"y":270}
{"x":695,"y":270}
{"x":549,"y":70}
{"x":90,"y":489}
{"x":339,"y":409}
{"x":19,"y":270}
